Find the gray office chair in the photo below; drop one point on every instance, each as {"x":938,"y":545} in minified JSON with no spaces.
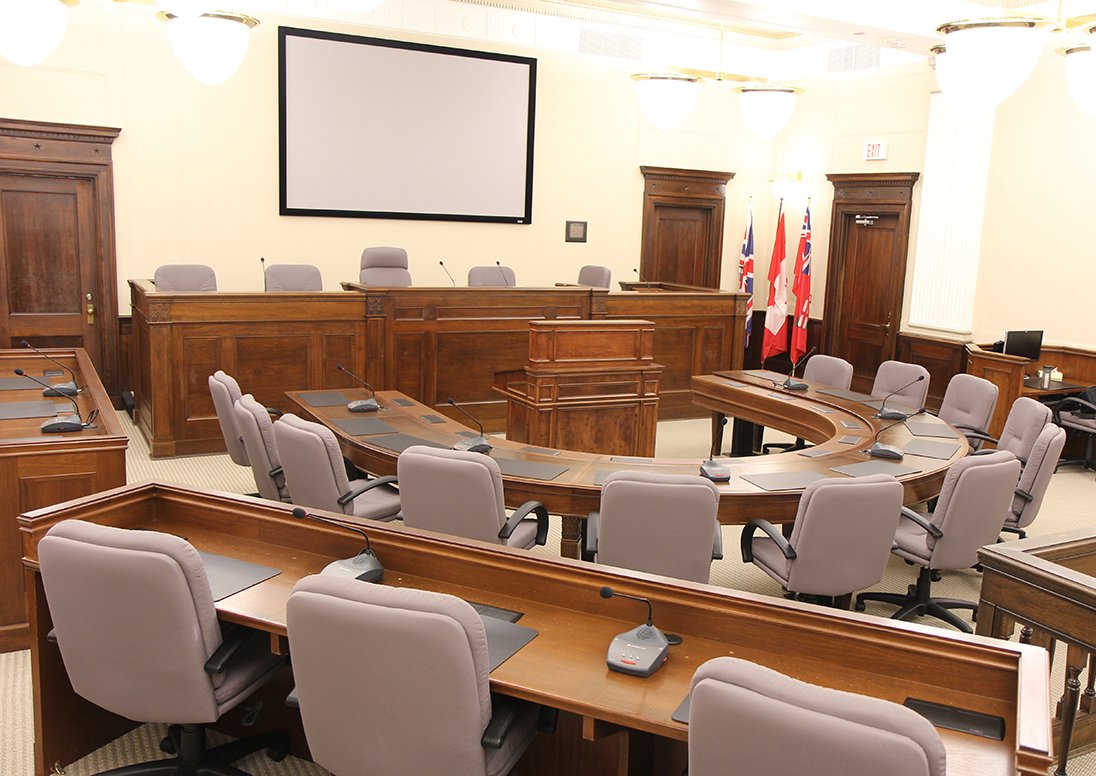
{"x":460,"y":493}
{"x":658,"y":523}
{"x":977,"y":490}
{"x":968,"y":405}
{"x":1034,"y":478}
{"x":135,"y":622}
{"x":492,"y":275}
{"x":257,"y":432}
{"x":384,"y":267}
{"x":749,"y":719}
{"x":225,"y":392}
{"x":840,"y":542}
{"x":828,"y":370}
{"x":293,"y":277}
{"x":1077,"y":415}
{"x":893,"y":376}
{"x":394,"y":681}
{"x":182,"y":278}
{"x":1023,"y":425}
{"x":316,"y":474}
{"x":595,"y":276}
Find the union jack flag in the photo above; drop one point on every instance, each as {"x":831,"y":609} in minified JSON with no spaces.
{"x":801,"y":286}
{"x":746,"y":271}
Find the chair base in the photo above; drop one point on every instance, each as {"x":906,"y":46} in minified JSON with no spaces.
{"x":194,"y":759}
{"x":1087,"y":462}
{"x":798,"y":444}
{"x":919,"y":602}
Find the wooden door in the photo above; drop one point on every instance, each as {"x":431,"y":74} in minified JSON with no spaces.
{"x":683,"y":213}
{"x":869,"y":236}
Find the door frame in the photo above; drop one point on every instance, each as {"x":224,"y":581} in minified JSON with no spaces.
{"x":868,"y":194}
{"x":46,"y":150}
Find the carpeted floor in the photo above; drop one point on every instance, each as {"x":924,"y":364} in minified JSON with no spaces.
{"x":1068,"y":505}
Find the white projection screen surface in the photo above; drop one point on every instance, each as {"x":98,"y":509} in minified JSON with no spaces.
{"x":374,"y":128}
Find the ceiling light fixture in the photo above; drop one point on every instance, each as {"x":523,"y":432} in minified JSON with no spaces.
{"x":212,"y":46}
{"x":31,"y":30}
{"x":1081,"y":77}
{"x":666,"y":99}
{"x":767,"y":109}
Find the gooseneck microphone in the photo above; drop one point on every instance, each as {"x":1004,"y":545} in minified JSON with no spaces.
{"x":608,"y":592}
{"x":61,"y":389}
{"x":361,"y":405}
{"x":364,"y":566}
{"x":262,"y":263}
{"x":62,"y":424}
{"x":791,"y":384}
{"x":642,"y":650}
{"x":880,"y":450}
{"x":885,"y":414}
{"x":638,"y":275}
{"x":505,"y":282}
{"x":476,"y":444}
{"x":442,"y":265}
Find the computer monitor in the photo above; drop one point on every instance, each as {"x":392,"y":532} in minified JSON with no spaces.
{"x":1023,"y":343}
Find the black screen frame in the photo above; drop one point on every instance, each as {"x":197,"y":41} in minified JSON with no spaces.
{"x":1024,"y":344}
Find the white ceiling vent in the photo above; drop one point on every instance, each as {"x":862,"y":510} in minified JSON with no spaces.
{"x":610,"y":44}
{"x":860,"y":57}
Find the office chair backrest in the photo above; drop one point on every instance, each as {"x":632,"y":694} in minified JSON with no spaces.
{"x":134,"y":618}
{"x":658,"y":523}
{"x":257,"y":431}
{"x":225,"y":392}
{"x":1023,"y":425}
{"x":762,"y":722}
{"x":312,"y":462}
{"x":492,"y":275}
{"x":384,"y":266}
{"x":1035,"y":477}
{"x":970,"y":511}
{"x":451,"y":491}
{"x":828,"y":370}
{"x":969,"y":401}
{"x":893,"y":376}
{"x":843,"y":533}
{"x":595,"y":276}
{"x":182,"y":278}
{"x":293,"y":277}
{"x":419,"y":659}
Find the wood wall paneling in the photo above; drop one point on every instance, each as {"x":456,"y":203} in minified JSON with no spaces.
{"x":942,"y":358}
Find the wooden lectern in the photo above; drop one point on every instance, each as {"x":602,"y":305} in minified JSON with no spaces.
{"x":589,"y":386}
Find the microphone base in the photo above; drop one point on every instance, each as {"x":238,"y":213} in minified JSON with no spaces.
{"x":638,"y":652}
{"x":61,"y":389}
{"x":363,"y":566}
{"x":792,"y":385}
{"x":63,"y":424}
{"x":363,"y":405}
{"x":886,"y":452}
{"x":892,"y":415}
{"x":476,"y":444}
{"x":716,"y":472}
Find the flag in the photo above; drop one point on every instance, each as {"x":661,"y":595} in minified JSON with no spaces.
{"x":745,"y":272}
{"x":776,"y":314}
{"x":801,"y":286}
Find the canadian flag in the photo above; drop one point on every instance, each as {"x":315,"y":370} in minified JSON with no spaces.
{"x":776,"y":314}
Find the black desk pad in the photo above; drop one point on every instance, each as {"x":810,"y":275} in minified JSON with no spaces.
{"x":18,"y":383}
{"x":681,"y":713}
{"x":865,"y":468}
{"x":841,"y":393}
{"x":851,"y":424}
{"x":530,"y":469}
{"x":813,"y":452}
{"x":324,"y":398}
{"x":784,"y":480}
{"x":432,"y":418}
{"x":486,"y":610}
{"x":630,"y":459}
{"x":363,"y":426}
{"x":20,"y":410}
{"x":929,"y":449}
{"x":228,"y":576}
{"x":769,"y":375}
{"x":397,"y":443}
{"x":540,"y":450}
{"x":504,"y":639}
{"x":954,"y":718}
{"x":405,"y":402}
{"x":928,"y":428}
{"x":849,"y":439}
{"x":1033,"y":381}
{"x":782,"y":395}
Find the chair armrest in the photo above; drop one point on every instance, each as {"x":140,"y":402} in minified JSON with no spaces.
{"x":233,"y":637}
{"x":772,"y":532}
{"x":980,"y":435}
{"x":274,"y":412}
{"x":593,"y":524}
{"x":353,"y":493}
{"x":503,"y":713}
{"x":1071,"y":400}
{"x":1024,"y":495}
{"x":918,"y":518}
{"x":717,"y":545}
{"x":291,"y":700}
{"x":520,"y":514}
{"x":275,"y":472}
{"x":51,"y":637}
{"x":965,"y":427}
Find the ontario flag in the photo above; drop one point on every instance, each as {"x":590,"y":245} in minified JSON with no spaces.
{"x":776,"y":314}
{"x":746,"y":272}
{"x":801,"y":286}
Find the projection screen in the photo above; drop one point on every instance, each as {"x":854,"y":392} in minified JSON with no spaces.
{"x":373,"y":128}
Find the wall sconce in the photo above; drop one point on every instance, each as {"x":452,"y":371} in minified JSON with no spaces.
{"x":1081,"y":75}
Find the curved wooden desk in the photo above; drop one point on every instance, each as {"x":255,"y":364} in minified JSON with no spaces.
{"x":575,"y":490}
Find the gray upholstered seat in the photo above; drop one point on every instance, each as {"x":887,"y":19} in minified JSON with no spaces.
{"x":749,"y":719}
{"x":841,"y":540}
{"x":257,"y":431}
{"x":316,"y":474}
{"x":138,"y":632}
{"x":225,"y":392}
{"x":893,"y":377}
{"x":1041,"y":462}
{"x":968,"y":404}
{"x":460,"y":493}
{"x":977,"y":490}
{"x":293,"y":277}
{"x":658,"y":523}
{"x":182,"y":278}
{"x":394,"y":681}
{"x":828,"y":370}
{"x":492,"y":275}
{"x":384,"y":267}
{"x":1024,"y":423}
{"x":595,"y":276}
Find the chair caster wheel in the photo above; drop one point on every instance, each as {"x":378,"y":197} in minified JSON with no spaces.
{"x":860,"y":606}
{"x":167,"y":746}
{"x":935,"y":576}
{"x":277,"y":752}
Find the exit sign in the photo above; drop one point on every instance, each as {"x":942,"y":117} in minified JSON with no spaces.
{"x":875,"y":149}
